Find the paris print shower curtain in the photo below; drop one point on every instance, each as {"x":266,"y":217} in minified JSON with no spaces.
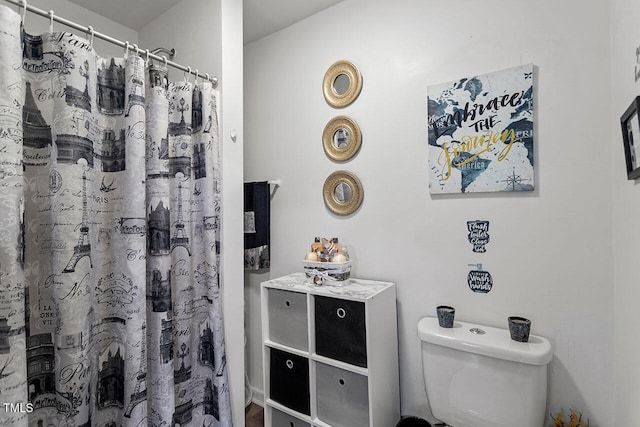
{"x":110,"y":311}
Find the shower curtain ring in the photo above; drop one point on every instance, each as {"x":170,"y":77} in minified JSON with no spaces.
{"x":196,"y":77}
{"x":207,"y":76}
{"x":146,"y":51}
{"x":51,"y":21}
{"x":126,"y":49}
{"x":24,"y":10}
{"x":135,"y":49}
{"x":188,"y":76}
{"x":91,"y":32}
{"x":164,"y":58}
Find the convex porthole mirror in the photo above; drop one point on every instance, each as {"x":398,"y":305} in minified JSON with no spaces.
{"x":342,"y":84}
{"x":341,"y":138}
{"x":342,"y":193}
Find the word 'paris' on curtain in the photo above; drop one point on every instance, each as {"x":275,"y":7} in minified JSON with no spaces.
{"x":110,"y":310}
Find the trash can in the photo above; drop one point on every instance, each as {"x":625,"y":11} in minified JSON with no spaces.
{"x":413,"y":422}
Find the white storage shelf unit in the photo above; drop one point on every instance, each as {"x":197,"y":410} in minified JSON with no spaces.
{"x":330,"y":353}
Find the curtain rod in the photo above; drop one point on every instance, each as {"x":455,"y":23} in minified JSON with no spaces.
{"x":126,"y":45}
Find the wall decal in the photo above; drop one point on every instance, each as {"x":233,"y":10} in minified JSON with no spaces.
{"x":478,"y":235}
{"x":479,"y":281}
{"x":480,"y":133}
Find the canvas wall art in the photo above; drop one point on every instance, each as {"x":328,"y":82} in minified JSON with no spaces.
{"x":480,"y":133}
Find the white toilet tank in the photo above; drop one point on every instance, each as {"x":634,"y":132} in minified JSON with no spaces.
{"x":477,"y":376}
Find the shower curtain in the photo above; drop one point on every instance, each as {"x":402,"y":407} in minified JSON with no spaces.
{"x":110,"y":303}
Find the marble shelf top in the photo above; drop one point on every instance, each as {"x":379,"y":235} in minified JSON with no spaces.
{"x":356,"y":289}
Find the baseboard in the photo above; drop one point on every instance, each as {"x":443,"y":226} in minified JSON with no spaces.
{"x":257,"y":396}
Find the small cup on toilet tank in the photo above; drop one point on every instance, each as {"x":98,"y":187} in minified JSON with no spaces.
{"x":446,"y":315}
{"x":519,"y":328}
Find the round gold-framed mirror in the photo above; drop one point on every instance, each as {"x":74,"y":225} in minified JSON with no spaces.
{"x":342,"y":193}
{"x":342,"y":84}
{"x":341,"y":138}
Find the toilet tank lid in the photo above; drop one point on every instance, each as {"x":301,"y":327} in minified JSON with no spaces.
{"x":495,"y":342}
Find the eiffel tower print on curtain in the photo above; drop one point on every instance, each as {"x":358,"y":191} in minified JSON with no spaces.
{"x":140,"y":392}
{"x":83,"y":248}
{"x":37,"y":132}
{"x":136,"y":94}
{"x":180,"y":238}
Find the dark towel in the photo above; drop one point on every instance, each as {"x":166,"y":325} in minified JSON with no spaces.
{"x":257,"y":225}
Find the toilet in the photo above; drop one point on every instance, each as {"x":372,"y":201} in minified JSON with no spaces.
{"x":477,"y":376}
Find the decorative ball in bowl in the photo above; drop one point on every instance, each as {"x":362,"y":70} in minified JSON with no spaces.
{"x":327,"y":273}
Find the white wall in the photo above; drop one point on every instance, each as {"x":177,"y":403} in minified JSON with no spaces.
{"x":193,"y":29}
{"x":207,"y":36}
{"x":626,"y":201}
{"x":550,"y":252}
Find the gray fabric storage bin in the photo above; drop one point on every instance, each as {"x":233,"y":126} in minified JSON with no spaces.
{"x":288,"y":318}
{"x":345,"y":397}
{"x":280,"y":419}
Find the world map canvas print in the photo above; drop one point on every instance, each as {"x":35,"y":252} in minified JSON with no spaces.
{"x":480,"y":133}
